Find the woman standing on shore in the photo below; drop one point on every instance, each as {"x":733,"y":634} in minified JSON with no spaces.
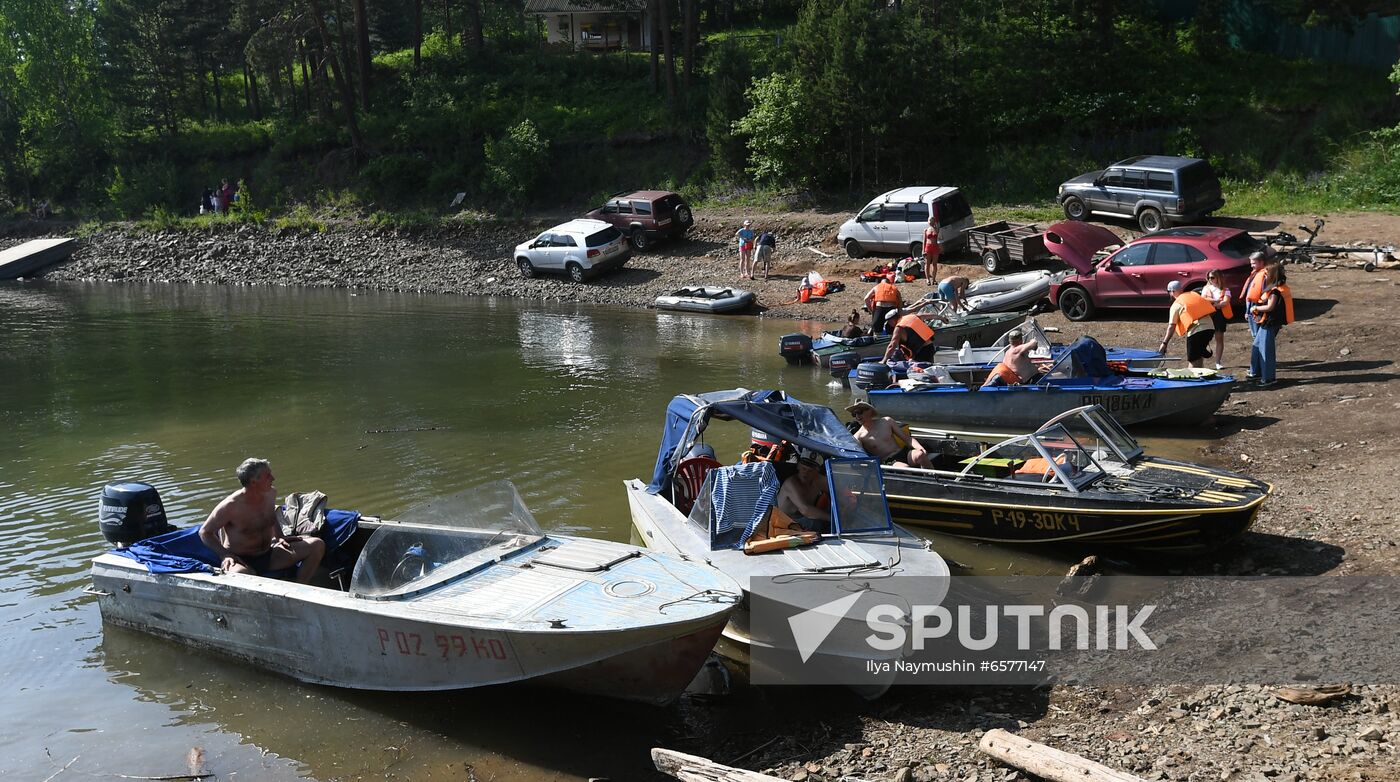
{"x":745,"y":236}
{"x":1272,"y":313}
{"x":1218,"y":295}
{"x":931,"y":247}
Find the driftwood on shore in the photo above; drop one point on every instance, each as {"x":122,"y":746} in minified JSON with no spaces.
{"x":693,"y":768}
{"x":1047,"y":762}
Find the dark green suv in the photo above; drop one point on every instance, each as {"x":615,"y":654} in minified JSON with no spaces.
{"x":1156,"y":191}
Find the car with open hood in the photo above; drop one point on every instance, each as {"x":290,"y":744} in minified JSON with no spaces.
{"x":1137,"y":274}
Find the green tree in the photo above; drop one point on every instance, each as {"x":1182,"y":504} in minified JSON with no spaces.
{"x":782,"y":150}
{"x":517,"y":161}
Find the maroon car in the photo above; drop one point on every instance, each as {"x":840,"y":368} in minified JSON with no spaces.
{"x":645,"y":216}
{"x":1137,"y":274}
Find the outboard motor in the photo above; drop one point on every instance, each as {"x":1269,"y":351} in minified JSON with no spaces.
{"x":701,"y":449}
{"x":795,"y":348}
{"x":842,"y":364}
{"x":131,"y":512}
{"x":873,"y":374}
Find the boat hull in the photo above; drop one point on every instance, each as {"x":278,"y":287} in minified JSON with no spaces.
{"x":978,"y":513}
{"x":1025,"y":407}
{"x":324,"y":636}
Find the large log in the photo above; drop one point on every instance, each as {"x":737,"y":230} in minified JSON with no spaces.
{"x":1047,"y":762}
{"x":693,"y":768}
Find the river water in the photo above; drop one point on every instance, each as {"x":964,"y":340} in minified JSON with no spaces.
{"x":379,"y":400}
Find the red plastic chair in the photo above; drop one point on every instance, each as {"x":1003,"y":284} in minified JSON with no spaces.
{"x":689,"y":477}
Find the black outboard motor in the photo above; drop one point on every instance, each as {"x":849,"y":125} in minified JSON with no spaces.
{"x":873,"y":374}
{"x":842,"y":363}
{"x":130,"y":512}
{"x":795,"y":348}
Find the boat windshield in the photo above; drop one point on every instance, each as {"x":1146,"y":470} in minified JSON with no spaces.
{"x":1100,"y":434}
{"x":444,"y":539}
{"x":1052,"y":455}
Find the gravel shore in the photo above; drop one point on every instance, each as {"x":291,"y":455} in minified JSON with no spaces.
{"x":1325,"y":437}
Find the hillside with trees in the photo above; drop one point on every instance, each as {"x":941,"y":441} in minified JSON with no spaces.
{"x":129,"y":108}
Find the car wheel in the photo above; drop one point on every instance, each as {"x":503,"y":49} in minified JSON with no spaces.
{"x":575,"y":272}
{"x":527,"y":269}
{"x":1150,"y":220}
{"x":916,"y":249}
{"x":639,"y":240}
{"x":1075,"y":209}
{"x":991,"y":261}
{"x":1076,"y":304}
{"x":853,"y":249}
{"x":683,"y":215}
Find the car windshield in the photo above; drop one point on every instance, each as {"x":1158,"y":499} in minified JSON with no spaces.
{"x":605,"y":236}
{"x":1240,"y":245}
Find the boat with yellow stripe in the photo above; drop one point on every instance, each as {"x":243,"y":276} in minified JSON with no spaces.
{"x":1078,"y":479}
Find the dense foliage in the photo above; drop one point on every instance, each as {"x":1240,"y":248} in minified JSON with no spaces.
{"x":132,"y":107}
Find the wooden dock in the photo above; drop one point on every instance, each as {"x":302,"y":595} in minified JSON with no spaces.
{"x":34,"y":256}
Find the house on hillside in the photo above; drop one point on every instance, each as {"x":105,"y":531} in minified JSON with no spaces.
{"x":594,"y":24}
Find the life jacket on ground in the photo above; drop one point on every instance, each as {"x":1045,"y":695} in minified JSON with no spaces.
{"x":1272,"y":318}
{"x":1254,"y":287}
{"x":1194,"y":307}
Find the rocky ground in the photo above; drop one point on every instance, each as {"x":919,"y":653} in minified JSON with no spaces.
{"x":1326,"y":437}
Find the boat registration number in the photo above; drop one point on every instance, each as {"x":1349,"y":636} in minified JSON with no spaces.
{"x":1115,"y":402}
{"x":1036,"y":519}
{"x":411,"y":644}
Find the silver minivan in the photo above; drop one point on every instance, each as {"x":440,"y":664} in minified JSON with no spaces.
{"x":894,"y":222}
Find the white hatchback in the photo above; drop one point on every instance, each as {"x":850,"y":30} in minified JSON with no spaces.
{"x":582,"y":248}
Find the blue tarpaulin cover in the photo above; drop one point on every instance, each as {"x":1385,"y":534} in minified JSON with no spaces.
{"x":772,"y":412}
{"x":182,"y":551}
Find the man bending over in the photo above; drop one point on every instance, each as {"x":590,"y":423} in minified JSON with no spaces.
{"x":245,"y":532}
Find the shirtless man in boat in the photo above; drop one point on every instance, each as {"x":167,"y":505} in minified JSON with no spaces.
{"x":245,"y":532}
{"x":1016,"y":366}
{"x":887,"y":439}
{"x":800,"y":497}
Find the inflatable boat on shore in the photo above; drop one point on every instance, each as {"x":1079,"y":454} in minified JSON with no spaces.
{"x":705,"y":298}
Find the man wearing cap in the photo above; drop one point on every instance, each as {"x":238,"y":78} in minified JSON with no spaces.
{"x":1016,"y":366}
{"x":801,"y":495}
{"x":887,"y":439}
{"x":1190,"y":318}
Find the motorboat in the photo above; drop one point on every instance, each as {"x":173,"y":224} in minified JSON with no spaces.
{"x":1078,"y":478}
{"x":461,"y":593}
{"x":677,"y":512}
{"x":705,"y":298}
{"x":976,"y":328}
{"x":1081,"y":375}
{"x":1008,"y":293}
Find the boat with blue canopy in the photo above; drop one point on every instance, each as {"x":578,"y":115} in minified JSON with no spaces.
{"x":702,"y":509}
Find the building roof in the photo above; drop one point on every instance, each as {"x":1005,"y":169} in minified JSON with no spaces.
{"x":584,"y":6}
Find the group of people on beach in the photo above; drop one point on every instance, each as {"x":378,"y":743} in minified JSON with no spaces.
{"x":218,"y":200}
{"x":755,"y":249}
{"x":1202,"y":317}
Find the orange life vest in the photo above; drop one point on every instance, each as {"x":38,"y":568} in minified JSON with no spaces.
{"x":917,"y":325}
{"x":1254,"y":287}
{"x":1226,"y":310}
{"x":1194,"y":306}
{"x":1008,"y":375}
{"x":1287,"y":296}
{"x":887,"y":294}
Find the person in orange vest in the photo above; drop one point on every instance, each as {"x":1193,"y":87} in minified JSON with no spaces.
{"x":1190,"y":318}
{"x":882,"y":300}
{"x":1273,"y":312}
{"x":1016,"y":366}
{"x":912,"y":334}
{"x":1253,"y":289}
{"x":1218,"y":295}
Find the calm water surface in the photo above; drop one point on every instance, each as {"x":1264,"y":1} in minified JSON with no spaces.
{"x":379,"y":400}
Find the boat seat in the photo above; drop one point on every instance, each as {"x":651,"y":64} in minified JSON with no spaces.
{"x":689,"y":477}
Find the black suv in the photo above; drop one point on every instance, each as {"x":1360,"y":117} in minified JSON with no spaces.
{"x":1154,"y":190}
{"x":645,"y":216}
